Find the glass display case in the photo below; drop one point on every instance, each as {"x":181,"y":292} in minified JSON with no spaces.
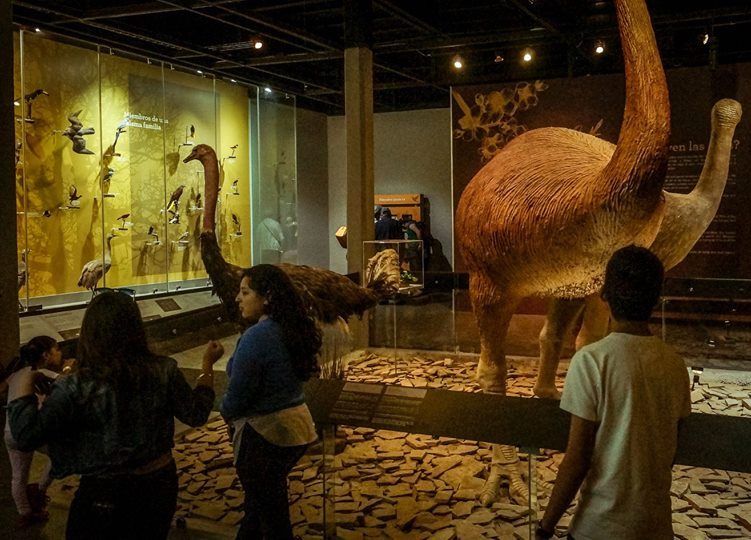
{"x":396,"y":267}
{"x":104,"y":195}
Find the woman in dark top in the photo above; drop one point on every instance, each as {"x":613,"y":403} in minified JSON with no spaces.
{"x":112,"y":421}
{"x":264,"y":400}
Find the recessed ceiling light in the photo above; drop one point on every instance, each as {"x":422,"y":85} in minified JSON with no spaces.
{"x":37,"y":29}
{"x":457,"y":62}
{"x":527,"y":55}
{"x":599,"y":47}
{"x":257,"y":44}
{"x":199,"y":72}
{"x":267,"y":89}
{"x":232,"y":81}
{"x":705,"y":38}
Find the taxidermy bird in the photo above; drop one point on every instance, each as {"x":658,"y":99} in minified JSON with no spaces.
{"x":192,"y":131}
{"x":73,"y":195}
{"x":75,"y":133}
{"x":29,"y":99}
{"x":94,"y":270}
{"x":120,"y":129}
{"x":234,"y":186}
{"x":233,"y":148}
{"x":122,"y":219}
{"x":175,"y":197}
{"x":108,"y":175}
{"x":236,"y":224}
{"x":331,"y":297}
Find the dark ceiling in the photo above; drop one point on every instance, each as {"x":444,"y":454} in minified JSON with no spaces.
{"x":414,"y":42}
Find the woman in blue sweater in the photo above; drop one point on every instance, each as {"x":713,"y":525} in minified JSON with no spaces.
{"x":264,"y":400}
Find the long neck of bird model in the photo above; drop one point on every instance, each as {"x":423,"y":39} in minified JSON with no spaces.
{"x":210,"y":188}
{"x":714,"y":174}
{"x":637,"y":168}
{"x":108,"y":248}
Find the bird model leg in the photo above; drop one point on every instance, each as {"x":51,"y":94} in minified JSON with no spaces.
{"x":561,"y":315}
{"x":493,"y":310}
{"x":595,"y":323}
{"x":504,"y":464}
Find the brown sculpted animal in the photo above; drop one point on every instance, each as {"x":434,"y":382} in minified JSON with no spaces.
{"x":545,"y":214}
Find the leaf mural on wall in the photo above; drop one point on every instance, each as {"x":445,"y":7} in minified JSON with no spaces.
{"x":492,"y":119}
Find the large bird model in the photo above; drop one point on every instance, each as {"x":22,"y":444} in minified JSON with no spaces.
{"x":329,"y":295}
{"x":546,"y":213}
{"x":543,"y":217}
{"x":94,"y":270}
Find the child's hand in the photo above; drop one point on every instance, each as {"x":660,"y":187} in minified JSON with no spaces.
{"x":214,"y":351}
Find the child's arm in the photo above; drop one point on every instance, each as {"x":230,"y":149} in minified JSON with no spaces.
{"x":573,"y":470}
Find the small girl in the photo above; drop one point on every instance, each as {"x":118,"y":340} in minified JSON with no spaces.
{"x":42,"y":354}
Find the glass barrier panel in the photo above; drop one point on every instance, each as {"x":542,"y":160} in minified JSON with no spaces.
{"x":61,"y":162}
{"x":190,"y":120}
{"x":132,"y":172}
{"x":275,"y":207}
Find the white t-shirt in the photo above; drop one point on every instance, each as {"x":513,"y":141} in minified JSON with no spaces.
{"x":636,"y":388}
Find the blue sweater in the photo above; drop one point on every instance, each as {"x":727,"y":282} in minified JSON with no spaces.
{"x":261,"y":377}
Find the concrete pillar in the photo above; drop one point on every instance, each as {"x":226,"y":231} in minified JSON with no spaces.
{"x":358,"y":97}
{"x":9,"y":335}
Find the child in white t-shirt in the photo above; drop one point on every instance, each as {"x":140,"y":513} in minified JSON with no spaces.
{"x":626,"y":394}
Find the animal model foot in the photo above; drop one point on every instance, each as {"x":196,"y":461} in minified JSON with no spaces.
{"x":491,"y":378}
{"x":546,"y":391}
{"x":491,"y":491}
{"x":518,"y":490}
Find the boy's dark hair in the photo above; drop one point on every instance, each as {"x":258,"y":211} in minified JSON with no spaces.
{"x":633,"y":282}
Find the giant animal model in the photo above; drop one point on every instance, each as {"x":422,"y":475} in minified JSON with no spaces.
{"x":329,"y":295}
{"x":95,"y":269}
{"x":543,"y":217}
{"x":545,"y":214}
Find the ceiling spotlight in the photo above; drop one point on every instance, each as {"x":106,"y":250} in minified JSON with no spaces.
{"x":199,"y":72}
{"x":37,"y":29}
{"x":705,"y":38}
{"x":267,"y":89}
{"x":527,"y":55}
{"x":599,"y":47}
{"x":498,"y":59}
{"x":457,"y":62}
{"x":16,"y":103}
{"x":233,"y":81}
{"x":257,"y":43}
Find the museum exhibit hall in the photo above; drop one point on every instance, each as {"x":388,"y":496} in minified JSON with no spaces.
{"x":441,"y":192}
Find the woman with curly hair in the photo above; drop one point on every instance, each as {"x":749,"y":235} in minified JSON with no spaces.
{"x":264,"y":400}
{"x":111,"y":420}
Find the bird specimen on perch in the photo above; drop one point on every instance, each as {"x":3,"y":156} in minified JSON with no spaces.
{"x":329,"y":296}
{"x":75,"y":132}
{"x":122,"y":220}
{"x":236,"y":225}
{"x":234,"y":186}
{"x":73,"y":195}
{"x":233,"y":148}
{"x":95,"y":269}
{"x":174,"y":199}
{"x":119,"y":130}
{"x":29,"y":99}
